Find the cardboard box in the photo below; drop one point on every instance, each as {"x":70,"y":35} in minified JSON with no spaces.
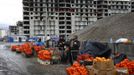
{"x":102,"y":72}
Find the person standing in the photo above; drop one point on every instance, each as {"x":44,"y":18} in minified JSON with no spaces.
{"x":47,"y":41}
{"x":61,"y":45}
{"x":39,"y":42}
{"x":72,"y":49}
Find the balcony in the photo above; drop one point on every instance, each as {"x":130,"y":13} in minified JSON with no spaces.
{"x":25,"y":1}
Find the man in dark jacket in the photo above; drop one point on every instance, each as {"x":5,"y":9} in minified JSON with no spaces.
{"x":61,"y":43}
{"x":73,"y":49}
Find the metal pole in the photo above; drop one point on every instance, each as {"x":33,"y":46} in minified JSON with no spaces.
{"x":46,"y":23}
{"x":65,"y":28}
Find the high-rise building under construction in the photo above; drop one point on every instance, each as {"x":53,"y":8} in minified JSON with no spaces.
{"x":63,"y":17}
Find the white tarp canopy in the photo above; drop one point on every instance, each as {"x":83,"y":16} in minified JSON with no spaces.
{"x":122,"y":40}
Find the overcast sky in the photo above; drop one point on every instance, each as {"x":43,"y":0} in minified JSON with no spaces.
{"x":10,"y":11}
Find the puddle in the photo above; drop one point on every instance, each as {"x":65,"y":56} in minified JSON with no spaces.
{"x":3,"y":47}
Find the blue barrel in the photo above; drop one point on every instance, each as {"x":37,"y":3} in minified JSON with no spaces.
{"x":10,"y":39}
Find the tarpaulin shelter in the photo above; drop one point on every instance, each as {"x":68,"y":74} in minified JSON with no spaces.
{"x":96,"y":49}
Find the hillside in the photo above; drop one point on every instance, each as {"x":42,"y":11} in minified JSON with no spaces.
{"x":115,"y":27}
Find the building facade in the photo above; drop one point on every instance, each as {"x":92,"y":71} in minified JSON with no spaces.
{"x":13,"y":30}
{"x":16,"y":29}
{"x":63,"y":17}
{"x":20,"y":28}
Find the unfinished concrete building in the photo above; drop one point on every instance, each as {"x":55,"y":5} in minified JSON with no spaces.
{"x":63,"y":17}
{"x":13,"y":30}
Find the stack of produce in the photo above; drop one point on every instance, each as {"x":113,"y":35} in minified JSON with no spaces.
{"x":27,"y":49}
{"x":127,"y":64}
{"x":19,"y":48}
{"x":44,"y":55}
{"x":102,"y":66}
{"x":13,"y":47}
{"x":37,"y":48}
{"x":77,"y":69}
{"x":23,"y":47}
{"x":85,"y":57}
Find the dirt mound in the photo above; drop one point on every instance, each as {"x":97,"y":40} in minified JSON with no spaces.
{"x":117,"y":26}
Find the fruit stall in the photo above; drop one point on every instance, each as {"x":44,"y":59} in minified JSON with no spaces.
{"x":102,"y":66}
{"x":44,"y":55}
{"x":93,"y":63}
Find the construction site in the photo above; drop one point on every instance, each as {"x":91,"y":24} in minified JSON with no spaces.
{"x":64,"y":17}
